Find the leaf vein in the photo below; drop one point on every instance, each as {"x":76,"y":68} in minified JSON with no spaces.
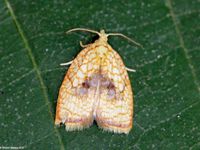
{"x":182,"y":43}
{"x":35,"y":66}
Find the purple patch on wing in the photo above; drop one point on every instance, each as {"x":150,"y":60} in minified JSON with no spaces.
{"x":82,"y":91}
{"x":111,"y":93}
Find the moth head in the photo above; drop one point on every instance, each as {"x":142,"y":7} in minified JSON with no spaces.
{"x":103,"y":36}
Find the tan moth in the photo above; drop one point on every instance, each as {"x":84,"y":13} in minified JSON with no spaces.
{"x":96,"y":87}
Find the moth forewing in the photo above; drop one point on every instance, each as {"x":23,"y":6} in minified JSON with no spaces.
{"x":96,"y":87}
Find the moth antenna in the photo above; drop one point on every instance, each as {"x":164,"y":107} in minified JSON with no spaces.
{"x":126,"y":37}
{"x":83,"y":29}
{"x":66,"y":64}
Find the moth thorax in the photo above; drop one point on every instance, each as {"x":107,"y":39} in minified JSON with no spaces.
{"x":101,"y":50}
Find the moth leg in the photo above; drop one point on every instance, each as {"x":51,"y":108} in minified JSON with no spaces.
{"x":66,"y":64}
{"x":83,"y":45}
{"x":131,"y":70}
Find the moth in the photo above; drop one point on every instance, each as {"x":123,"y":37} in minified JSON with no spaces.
{"x":96,"y":87}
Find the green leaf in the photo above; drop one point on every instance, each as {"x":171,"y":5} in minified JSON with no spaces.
{"x":166,"y":84}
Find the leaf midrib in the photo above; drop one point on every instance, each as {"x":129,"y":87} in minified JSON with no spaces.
{"x":35,"y":66}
